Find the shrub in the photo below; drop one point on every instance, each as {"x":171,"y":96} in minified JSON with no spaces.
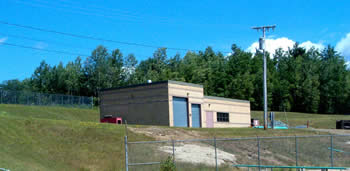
{"x":168,"y":164}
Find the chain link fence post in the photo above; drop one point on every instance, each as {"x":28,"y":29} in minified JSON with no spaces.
{"x":296,"y":150}
{"x":126,"y":153}
{"x":126,"y":127}
{"x":332,"y":150}
{"x":15,"y":97}
{"x":0,"y":96}
{"x":216,"y":155}
{"x":39,"y":98}
{"x":92,"y":102}
{"x":258,"y":140}
{"x":173,"y":142}
{"x":51,"y":101}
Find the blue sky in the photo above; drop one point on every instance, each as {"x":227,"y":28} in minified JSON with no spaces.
{"x":182,"y":24}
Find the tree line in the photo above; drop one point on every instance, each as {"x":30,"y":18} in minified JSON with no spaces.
{"x":299,"y":80}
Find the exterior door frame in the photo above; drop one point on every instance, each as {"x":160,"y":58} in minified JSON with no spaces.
{"x":211,"y":125}
{"x":187,"y":111}
{"x":200,"y":114}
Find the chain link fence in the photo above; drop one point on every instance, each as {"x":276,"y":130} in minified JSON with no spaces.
{"x":43,"y":99}
{"x":227,"y":154}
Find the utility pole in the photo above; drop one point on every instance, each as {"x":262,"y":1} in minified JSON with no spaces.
{"x":262,"y":47}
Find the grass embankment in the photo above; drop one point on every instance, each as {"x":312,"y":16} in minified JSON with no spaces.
{"x":57,"y":138}
{"x":251,"y":132}
{"x":324,"y":121}
{"x":50,"y":112}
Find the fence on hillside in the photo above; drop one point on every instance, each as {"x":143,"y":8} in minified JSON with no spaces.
{"x":227,"y":153}
{"x":44,"y":99}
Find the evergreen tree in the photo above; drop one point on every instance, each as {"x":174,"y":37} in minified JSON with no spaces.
{"x":333,"y":80}
{"x":73,"y":77}
{"x":115,"y":72}
{"x":239,"y":74}
{"x":96,"y":69}
{"x":297,"y":80}
{"x":41,"y":79}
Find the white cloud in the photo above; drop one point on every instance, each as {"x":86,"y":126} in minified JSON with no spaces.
{"x":308,"y":45}
{"x":343,"y":46}
{"x":272,"y":45}
{"x":3,"y":40}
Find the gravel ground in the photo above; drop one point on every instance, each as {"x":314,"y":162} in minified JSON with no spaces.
{"x":199,"y":154}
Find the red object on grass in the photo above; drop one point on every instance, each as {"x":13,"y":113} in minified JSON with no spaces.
{"x":116,"y":120}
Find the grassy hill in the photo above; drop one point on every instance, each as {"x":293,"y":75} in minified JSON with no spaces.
{"x":50,"y":112}
{"x":57,"y":138}
{"x":294,"y":119}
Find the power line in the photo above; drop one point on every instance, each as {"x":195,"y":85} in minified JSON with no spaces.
{"x":46,"y":50}
{"x":118,"y":11}
{"x":43,"y":41}
{"x":94,"y":38}
{"x":73,"y":10}
{"x":66,"y":4}
{"x":73,"y":35}
{"x":58,"y":43}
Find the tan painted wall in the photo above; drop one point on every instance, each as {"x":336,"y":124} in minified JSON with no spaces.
{"x":152,"y":104}
{"x":147,"y":105}
{"x":239,"y":111}
{"x":194,"y":95}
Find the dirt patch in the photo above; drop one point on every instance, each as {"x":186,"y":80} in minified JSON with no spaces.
{"x":161,"y":133}
{"x":334,"y":131}
{"x":242,"y":152}
{"x":274,"y":152}
{"x":199,"y":154}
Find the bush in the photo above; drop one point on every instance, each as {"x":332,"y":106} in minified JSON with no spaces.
{"x":168,"y":165}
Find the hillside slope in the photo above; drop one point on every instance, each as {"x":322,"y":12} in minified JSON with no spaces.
{"x":50,"y":112}
{"x":294,"y":119}
{"x":56,"y":138}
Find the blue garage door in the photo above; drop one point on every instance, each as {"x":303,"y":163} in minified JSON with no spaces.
{"x":196,"y":115}
{"x":180,"y":112}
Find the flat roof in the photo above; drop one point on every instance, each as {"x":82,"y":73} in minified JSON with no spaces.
{"x":226,"y":99}
{"x":185,"y":84}
{"x":154,"y":83}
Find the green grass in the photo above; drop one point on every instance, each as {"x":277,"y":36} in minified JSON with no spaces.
{"x":250,"y":132}
{"x":50,"y":112}
{"x":294,"y":119}
{"x":70,"y":140}
{"x":58,"y":138}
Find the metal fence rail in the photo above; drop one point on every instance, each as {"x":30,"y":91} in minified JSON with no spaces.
{"x":324,"y":151}
{"x":44,"y":99}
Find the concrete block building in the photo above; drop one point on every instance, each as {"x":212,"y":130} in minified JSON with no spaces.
{"x":173,"y":103}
